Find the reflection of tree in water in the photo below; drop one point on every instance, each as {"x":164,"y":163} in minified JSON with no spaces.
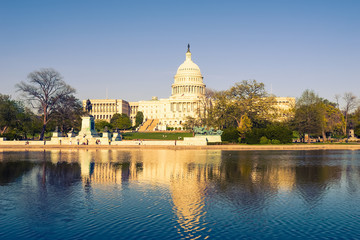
{"x":62,"y":173}
{"x":237,"y":183}
{"x":53,"y":193}
{"x":10,"y":171}
{"x":312,"y":181}
{"x":353,"y":179}
{"x":352,"y":172}
{"x":251,"y":178}
{"x":315,"y":174}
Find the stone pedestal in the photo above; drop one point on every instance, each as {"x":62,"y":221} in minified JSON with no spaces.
{"x":116,"y":137}
{"x":56,"y":134}
{"x":352,"y":135}
{"x":210,"y":138}
{"x":88,"y":127}
{"x":71,"y":134}
{"x":106,"y":136}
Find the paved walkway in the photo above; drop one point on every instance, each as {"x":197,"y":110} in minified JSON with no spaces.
{"x":209,"y":147}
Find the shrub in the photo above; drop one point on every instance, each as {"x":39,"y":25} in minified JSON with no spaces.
{"x":274,"y":131}
{"x":230,"y":135}
{"x":275,"y":141}
{"x":279,"y":131}
{"x":253,"y":137}
{"x":12,"y":136}
{"x":264,"y":140}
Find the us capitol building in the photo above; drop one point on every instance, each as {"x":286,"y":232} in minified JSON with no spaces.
{"x":187,"y":94}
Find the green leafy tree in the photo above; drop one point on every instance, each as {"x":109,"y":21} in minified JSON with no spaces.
{"x":354,"y":121}
{"x":244,"y":126}
{"x":45,"y":91}
{"x":120,"y":121}
{"x":101,"y":124}
{"x":317,"y":116}
{"x":310,"y":114}
{"x":332,"y":119}
{"x":16,"y":121}
{"x":245,"y":101}
{"x":24,"y":120}
{"x":139,"y":118}
{"x":33,"y":124}
{"x":9,"y":111}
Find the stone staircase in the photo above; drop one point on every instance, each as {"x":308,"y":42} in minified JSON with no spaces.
{"x":153,"y":125}
{"x":149,"y":125}
{"x":145,"y":125}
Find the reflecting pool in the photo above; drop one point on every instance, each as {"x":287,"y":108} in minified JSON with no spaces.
{"x":179,"y":194}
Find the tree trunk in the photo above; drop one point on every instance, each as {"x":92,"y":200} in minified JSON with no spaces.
{"x":42,"y":132}
{"x":323,"y":135}
{"x":3,"y":130}
{"x":345,"y":126}
{"x":45,"y":121}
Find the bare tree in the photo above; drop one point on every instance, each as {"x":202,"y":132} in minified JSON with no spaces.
{"x":45,"y":91}
{"x":337,"y":99}
{"x":206,"y":102}
{"x":350,"y":104}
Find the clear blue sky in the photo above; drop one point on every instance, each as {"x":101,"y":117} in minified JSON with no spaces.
{"x":133,"y":48}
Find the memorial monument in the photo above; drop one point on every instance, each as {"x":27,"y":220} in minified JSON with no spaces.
{"x":88,"y":123}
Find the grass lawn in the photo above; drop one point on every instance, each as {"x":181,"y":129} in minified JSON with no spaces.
{"x":156,"y":135}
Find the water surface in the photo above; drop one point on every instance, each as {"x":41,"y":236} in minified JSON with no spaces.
{"x":179,"y":194}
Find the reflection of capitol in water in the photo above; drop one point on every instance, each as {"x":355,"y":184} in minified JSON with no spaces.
{"x":192,"y":177}
{"x":185,"y":172}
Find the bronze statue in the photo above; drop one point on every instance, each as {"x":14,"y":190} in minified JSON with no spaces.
{"x":204,"y":131}
{"x":88,"y":107}
{"x":188,"y":47}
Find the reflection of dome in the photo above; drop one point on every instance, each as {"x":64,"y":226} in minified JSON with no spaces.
{"x":188,"y":80}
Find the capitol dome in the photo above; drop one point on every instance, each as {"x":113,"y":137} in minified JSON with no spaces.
{"x":188,"y":80}
{"x":188,"y":66}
